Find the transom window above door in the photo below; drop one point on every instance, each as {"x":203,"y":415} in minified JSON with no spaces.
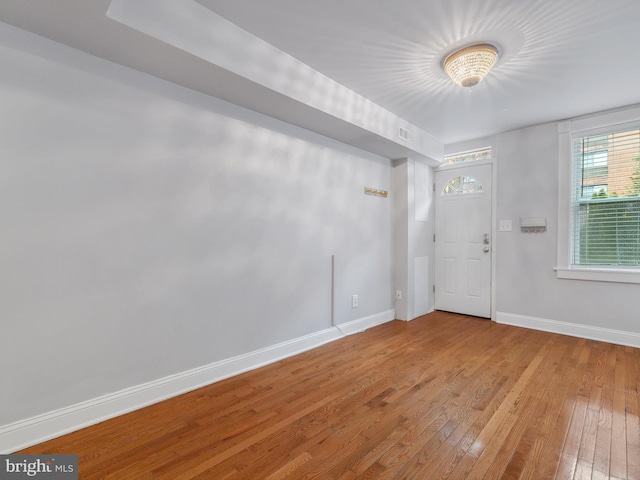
{"x":473,"y":156}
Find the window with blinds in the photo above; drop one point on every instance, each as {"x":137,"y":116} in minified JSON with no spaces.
{"x":606,"y":199}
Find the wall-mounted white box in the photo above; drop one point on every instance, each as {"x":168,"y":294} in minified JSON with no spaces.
{"x":533,"y":224}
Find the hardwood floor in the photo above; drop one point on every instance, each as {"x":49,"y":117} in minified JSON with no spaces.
{"x":443,"y":396}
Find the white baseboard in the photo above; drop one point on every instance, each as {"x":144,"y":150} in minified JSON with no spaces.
{"x":31,"y":431}
{"x":364,"y":323}
{"x":618,"y":337}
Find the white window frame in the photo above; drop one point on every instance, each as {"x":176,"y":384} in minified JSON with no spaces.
{"x":599,"y":123}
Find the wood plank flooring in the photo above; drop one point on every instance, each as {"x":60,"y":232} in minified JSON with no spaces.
{"x":443,"y":396}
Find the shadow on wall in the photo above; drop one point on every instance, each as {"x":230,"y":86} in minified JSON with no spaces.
{"x":151,"y":229}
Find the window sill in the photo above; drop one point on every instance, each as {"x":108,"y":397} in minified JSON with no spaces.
{"x":599,"y":274}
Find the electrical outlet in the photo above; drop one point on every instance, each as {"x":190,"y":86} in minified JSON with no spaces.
{"x":398,"y":294}
{"x":354,"y":301}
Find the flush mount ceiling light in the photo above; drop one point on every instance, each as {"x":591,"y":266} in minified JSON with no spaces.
{"x":469,"y":65}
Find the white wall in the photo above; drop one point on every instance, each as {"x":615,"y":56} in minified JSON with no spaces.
{"x":148,"y":229}
{"x":413,"y":228}
{"x":527,"y":289}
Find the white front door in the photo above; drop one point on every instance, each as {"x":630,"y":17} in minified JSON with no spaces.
{"x":463,"y":240}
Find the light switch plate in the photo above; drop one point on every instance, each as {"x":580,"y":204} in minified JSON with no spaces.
{"x":505,"y":226}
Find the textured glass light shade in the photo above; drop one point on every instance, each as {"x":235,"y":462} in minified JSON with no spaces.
{"x":468,"y":66}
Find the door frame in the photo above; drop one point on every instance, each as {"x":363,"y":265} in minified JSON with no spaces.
{"x":494,"y":221}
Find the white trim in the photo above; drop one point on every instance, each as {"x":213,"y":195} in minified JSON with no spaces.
{"x":618,"y":337}
{"x":564,"y":194}
{"x":495,"y":243}
{"x":599,"y":274}
{"x":34,"y":430}
{"x":364,"y":323}
{"x":464,"y":152}
{"x":608,"y":119}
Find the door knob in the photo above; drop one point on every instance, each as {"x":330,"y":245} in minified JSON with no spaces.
{"x":486,"y":249}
